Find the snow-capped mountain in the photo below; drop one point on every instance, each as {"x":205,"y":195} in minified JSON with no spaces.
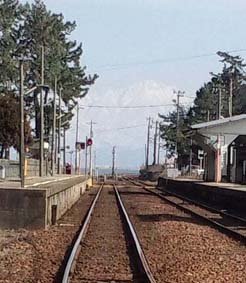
{"x":125,"y":128}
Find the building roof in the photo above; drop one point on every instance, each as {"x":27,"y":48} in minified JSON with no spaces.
{"x":235,"y":125}
{"x":219,"y":122}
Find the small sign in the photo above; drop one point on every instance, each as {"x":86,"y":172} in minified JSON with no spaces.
{"x":200,"y":154}
{"x":80,"y":145}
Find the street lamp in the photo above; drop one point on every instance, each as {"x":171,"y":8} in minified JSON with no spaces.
{"x":77,"y":140}
{"x":22,"y":121}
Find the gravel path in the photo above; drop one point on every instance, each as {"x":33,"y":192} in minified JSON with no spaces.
{"x":37,"y":256}
{"x":180,"y":249}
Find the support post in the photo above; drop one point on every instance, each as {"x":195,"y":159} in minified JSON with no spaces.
{"x":90,"y":151}
{"x":159,"y":145}
{"x":86,"y":148}
{"x":147,"y":145}
{"x":113,"y":162}
{"x":41,"y":138}
{"x":219,"y":104}
{"x":218,"y":161}
{"x":155,"y":143}
{"x":64,"y":150}
{"x":59,"y":136}
{"x":190,"y":169}
{"x":179,"y":94}
{"x":77,"y":137}
{"x":22,"y":130}
{"x":53,"y":160}
{"x":230,"y":98}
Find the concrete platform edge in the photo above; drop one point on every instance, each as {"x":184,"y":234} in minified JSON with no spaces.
{"x":37,"y":208}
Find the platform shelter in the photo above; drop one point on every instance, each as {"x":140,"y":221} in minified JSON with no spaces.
{"x":224,"y":144}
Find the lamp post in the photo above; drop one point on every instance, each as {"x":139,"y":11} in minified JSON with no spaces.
{"x":53,"y":161}
{"x":59,"y":135}
{"x":22,"y":141}
{"x":91,"y":136}
{"x":22,"y":119}
{"x":77,"y":166}
{"x":41,"y":138}
{"x":177,"y":102}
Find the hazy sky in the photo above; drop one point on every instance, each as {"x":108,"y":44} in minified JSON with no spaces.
{"x":154,"y":31}
{"x":136,"y":44}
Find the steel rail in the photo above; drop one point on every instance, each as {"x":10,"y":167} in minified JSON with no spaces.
{"x":205,"y":206}
{"x":230,"y":232}
{"x":76,"y":247}
{"x":142,"y":262}
{"x":198,"y":203}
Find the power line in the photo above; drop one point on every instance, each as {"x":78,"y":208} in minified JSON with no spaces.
{"x":129,"y":107}
{"x":158,"y":61}
{"x":122,"y":128}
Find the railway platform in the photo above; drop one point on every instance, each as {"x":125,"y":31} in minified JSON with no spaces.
{"x":228,"y":196}
{"x":41,"y":203}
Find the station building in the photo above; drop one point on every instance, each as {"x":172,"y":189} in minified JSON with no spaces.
{"x":224,"y":145}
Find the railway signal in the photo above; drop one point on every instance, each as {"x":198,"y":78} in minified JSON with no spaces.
{"x":80,"y":146}
{"x":89,"y":142}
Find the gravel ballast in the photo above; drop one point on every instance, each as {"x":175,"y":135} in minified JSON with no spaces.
{"x":179,"y":248}
{"x":38,"y":256}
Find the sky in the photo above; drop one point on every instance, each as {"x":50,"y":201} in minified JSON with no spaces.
{"x":142,"y":50}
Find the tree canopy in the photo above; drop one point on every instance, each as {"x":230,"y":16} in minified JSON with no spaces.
{"x":24,"y":30}
{"x":205,"y":107}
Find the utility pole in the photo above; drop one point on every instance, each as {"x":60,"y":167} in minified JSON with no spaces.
{"x":218,"y":149}
{"x":64,"y":150}
{"x":147,"y":145}
{"x":208,"y":115}
{"x":77,"y":137}
{"x":90,"y":150}
{"x":56,"y":148}
{"x":95,"y":161}
{"x":219,"y":103}
{"x":230,"y":97}
{"x":79,"y":171}
{"x":113,"y":161}
{"x":53,"y":160}
{"x":155,"y":143}
{"x":179,"y":94}
{"x":77,"y":150}
{"x":86,"y":149}
{"x":59,"y":135}
{"x":159,"y":145}
{"x":41,"y":138}
{"x":22,"y":132}
{"x":145,"y":153}
{"x":190,"y":169}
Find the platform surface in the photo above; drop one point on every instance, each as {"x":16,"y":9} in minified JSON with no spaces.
{"x":40,"y":183}
{"x":228,"y":186}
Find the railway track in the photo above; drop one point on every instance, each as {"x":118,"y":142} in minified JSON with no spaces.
{"x":234,"y":226}
{"x":107,"y":248}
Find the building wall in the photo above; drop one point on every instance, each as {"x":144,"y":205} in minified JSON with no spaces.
{"x":22,"y":208}
{"x":12,"y":168}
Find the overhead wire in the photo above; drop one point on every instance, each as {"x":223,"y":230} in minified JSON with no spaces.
{"x":130,"y":107}
{"x":122,"y":128}
{"x":158,"y":61}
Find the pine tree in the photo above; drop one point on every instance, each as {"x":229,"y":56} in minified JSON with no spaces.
{"x":24,"y":29}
